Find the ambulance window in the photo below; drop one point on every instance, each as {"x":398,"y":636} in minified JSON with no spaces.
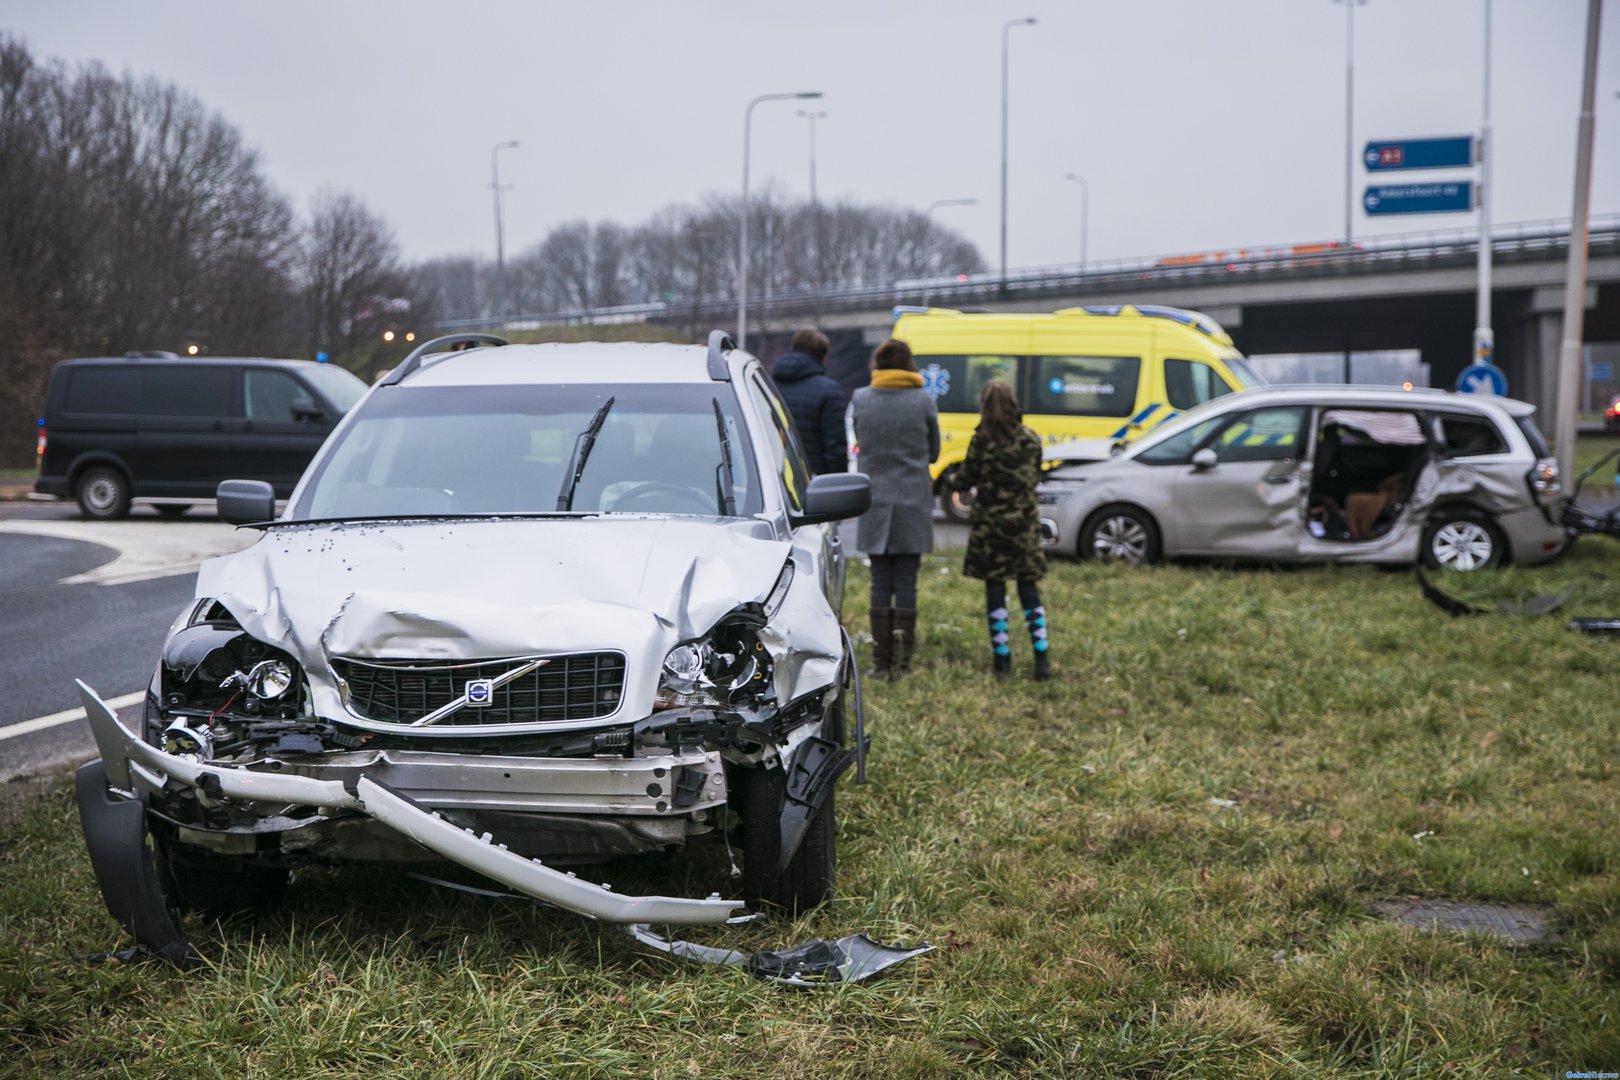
{"x":1188,"y":383}
{"x":1083,"y":385}
{"x":955,"y":381}
{"x":1262,"y":435}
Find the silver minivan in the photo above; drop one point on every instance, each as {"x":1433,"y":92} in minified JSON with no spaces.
{"x":1317,"y":474}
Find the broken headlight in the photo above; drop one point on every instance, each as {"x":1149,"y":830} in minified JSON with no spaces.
{"x":728,"y":668}
{"x":212,"y":666}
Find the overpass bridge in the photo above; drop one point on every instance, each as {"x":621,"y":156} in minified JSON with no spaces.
{"x":1411,"y":291}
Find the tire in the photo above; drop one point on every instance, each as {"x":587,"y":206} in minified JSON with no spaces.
{"x":103,"y":493}
{"x":955,"y":505}
{"x":1120,"y":533}
{"x":807,"y":881}
{"x":172,"y":510}
{"x":1462,"y":538}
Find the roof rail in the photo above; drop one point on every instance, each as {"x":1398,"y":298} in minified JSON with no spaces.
{"x":414,"y":360}
{"x":151,"y":354}
{"x":720,"y":343}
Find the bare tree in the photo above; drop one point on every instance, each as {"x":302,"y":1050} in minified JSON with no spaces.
{"x":352,"y":278}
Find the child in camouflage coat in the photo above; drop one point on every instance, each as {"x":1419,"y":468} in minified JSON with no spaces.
{"x":1004,"y":529}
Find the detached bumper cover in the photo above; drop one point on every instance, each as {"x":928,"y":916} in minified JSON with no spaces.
{"x":133,"y":766}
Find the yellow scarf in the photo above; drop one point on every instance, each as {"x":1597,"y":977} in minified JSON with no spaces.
{"x":895,"y":379}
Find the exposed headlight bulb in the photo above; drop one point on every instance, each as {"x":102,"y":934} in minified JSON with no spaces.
{"x":269,"y":679}
{"x":685,"y":662}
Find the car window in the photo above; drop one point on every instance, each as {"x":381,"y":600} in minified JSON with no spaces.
{"x":1083,"y":385}
{"x":1261,"y":435}
{"x":1470,"y":436}
{"x":1178,"y":448}
{"x":107,"y":391}
{"x":506,"y":449}
{"x":955,"y":381}
{"x":1188,"y":383}
{"x":340,"y":386}
{"x":180,"y":390}
{"x":268,"y":395}
{"x":786,"y":456}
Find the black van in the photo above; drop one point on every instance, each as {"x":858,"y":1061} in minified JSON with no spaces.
{"x":160,"y":427}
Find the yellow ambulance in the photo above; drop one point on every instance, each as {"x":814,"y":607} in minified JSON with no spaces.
{"x":1081,"y":373}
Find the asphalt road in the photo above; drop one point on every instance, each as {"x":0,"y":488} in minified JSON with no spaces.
{"x":89,"y":601}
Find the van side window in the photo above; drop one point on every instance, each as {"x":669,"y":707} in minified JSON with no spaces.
{"x":1262,"y":435}
{"x":784,"y":444}
{"x":1083,"y":385}
{"x":955,"y":381}
{"x":186,"y":391}
{"x":268,"y":395}
{"x":1469,"y":437}
{"x":108,"y":391}
{"x":1188,"y":383}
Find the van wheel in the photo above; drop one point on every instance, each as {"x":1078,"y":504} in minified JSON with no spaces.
{"x":1120,"y":534}
{"x":1462,"y":538}
{"x":955,"y":505}
{"x":172,"y":510}
{"x":103,"y":493}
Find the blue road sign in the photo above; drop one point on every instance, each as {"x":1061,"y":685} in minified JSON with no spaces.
{"x":1453,"y":197}
{"x":1601,"y":371}
{"x":1450,"y":152}
{"x":1482,"y":379}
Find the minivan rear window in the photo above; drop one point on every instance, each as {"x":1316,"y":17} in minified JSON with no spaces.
{"x":106,"y":391}
{"x":1538,"y":442}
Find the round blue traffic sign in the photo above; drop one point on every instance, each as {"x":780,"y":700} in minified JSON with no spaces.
{"x":1482,"y":379}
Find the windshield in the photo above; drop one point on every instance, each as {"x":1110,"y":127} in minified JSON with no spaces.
{"x":1238,"y":366}
{"x":507,"y":449}
{"x":340,"y":386}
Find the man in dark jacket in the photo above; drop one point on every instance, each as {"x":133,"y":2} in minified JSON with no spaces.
{"x":815,"y":399}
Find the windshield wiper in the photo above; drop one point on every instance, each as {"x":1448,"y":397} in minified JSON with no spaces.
{"x":724,"y":484}
{"x":582,"y":450}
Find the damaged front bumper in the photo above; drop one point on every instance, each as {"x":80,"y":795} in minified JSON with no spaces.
{"x":137,"y":771}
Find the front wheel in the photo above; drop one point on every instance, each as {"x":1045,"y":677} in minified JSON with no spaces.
{"x":1121,"y":534}
{"x":1462,"y":538}
{"x":807,"y":880}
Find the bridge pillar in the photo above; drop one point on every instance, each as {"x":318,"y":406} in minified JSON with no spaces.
{"x":1528,"y":345}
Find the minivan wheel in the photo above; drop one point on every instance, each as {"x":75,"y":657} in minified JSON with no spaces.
{"x":1462,"y":538}
{"x":1120,"y":534}
{"x":103,"y":493}
{"x":807,"y":881}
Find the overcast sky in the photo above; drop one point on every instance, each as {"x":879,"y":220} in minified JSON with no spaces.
{"x":1200,"y":124}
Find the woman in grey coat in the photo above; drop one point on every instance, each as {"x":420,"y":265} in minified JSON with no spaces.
{"x":896,"y":438}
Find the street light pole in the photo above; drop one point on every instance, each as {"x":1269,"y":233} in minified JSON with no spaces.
{"x":1484,"y":335}
{"x":812,"y":117}
{"x":742,"y":248}
{"x":815,"y":207}
{"x":1005,"y":29}
{"x":1085,"y":197}
{"x":929,"y":214}
{"x":1349,"y":146}
{"x":500,"y":226}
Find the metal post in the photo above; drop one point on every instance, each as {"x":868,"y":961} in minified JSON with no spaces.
{"x":1569,"y":353}
{"x":812,"y":117}
{"x":929,"y":214}
{"x":742,"y":248}
{"x":1484,"y":335}
{"x":1085,"y":198}
{"x":1349,"y":144}
{"x":1004,"y":31}
{"x":500,"y":227}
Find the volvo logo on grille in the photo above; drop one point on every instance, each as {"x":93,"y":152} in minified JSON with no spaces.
{"x":480,"y":691}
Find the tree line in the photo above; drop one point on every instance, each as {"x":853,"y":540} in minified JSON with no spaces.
{"x":133,"y":217}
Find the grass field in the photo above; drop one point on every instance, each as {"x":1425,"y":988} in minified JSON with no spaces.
{"x":1157,"y":865}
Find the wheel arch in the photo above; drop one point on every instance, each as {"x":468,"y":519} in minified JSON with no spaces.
{"x":91,"y":458}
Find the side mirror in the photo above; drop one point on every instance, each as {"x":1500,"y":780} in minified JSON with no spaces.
{"x":245,"y":502}
{"x":303,"y":407}
{"x":1203,"y":460}
{"x":834,"y":497}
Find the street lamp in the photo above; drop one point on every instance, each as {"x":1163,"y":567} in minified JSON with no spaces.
{"x":1349,"y":149}
{"x":1484,"y":336}
{"x":742,"y":250}
{"x":1085,"y":198}
{"x":500,"y":227}
{"x":1010,"y":23}
{"x":929,"y":213}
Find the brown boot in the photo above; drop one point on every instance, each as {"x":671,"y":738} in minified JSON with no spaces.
{"x":905,"y":629}
{"x":882,"y":643}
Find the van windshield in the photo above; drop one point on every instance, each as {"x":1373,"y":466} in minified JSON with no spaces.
{"x":340,"y":386}
{"x":1246,"y":375}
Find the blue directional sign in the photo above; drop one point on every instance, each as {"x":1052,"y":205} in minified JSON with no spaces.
{"x":1450,"y":152}
{"x":1482,"y":379}
{"x":1452,"y":197}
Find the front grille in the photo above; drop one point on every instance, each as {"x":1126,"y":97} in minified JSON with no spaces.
{"x":582,"y":686}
